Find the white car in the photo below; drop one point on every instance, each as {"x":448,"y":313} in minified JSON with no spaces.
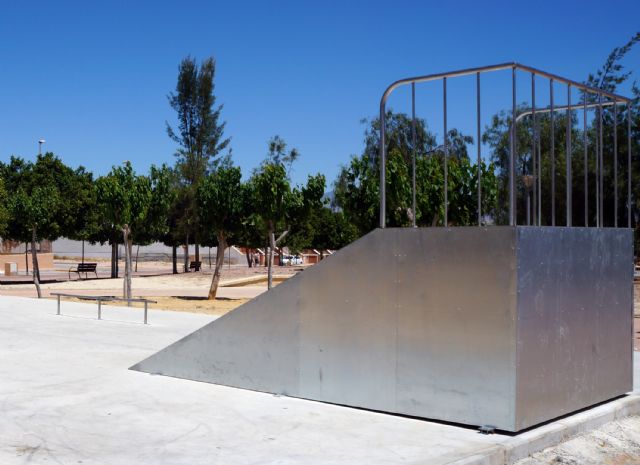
{"x":291,"y":260}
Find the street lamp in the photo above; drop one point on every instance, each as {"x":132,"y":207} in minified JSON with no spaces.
{"x":40,"y":142}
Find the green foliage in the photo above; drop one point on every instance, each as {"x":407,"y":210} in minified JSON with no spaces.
{"x":49,"y":196}
{"x":4,"y":210}
{"x":124,"y":198}
{"x":271,"y":194}
{"x":220,"y":199}
{"x":357,"y":187}
{"x":199,"y":132}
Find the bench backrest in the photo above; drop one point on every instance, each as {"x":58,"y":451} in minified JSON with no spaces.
{"x":87,"y":266}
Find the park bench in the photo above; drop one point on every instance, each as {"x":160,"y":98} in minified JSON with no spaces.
{"x":195,"y":266}
{"x":84,"y":268}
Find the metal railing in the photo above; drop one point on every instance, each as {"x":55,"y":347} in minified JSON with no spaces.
{"x":614,"y":100}
{"x":101,"y":299}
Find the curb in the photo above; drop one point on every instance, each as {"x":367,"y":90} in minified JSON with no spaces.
{"x":530,"y":442}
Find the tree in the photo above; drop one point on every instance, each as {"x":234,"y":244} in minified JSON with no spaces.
{"x":45,"y":202}
{"x":220,"y":201}
{"x":356,"y":190}
{"x":199,"y":134}
{"x":271,"y":196}
{"x":124,"y":199}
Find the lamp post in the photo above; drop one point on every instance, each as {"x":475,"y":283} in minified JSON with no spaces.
{"x":40,"y":142}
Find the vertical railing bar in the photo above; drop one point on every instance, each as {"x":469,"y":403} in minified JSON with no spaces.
{"x":615,"y":163}
{"x":382,"y":161}
{"x":99,"y":309}
{"x":569,"y":180}
{"x":601,"y":158}
{"x":553,"y":156}
{"x":479,"y":150}
{"x":145,"y":312}
{"x":446,"y":151}
{"x":628,"y":164}
{"x":586,"y":162}
{"x":539,"y":180}
{"x":597,"y":157}
{"x":512,"y":153}
{"x":533,"y":149}
{"x":413,"y":135}
{"x":58,"y":312}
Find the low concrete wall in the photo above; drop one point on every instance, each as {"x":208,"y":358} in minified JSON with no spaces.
{"x":45,"y":260}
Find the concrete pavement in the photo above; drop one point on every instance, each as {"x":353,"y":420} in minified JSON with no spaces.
{"x":67,"y":396}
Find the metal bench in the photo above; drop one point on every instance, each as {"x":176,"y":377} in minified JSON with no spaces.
{"x":101,"y":299}
{"x":84,"y":268}
{"x":195,"y":266}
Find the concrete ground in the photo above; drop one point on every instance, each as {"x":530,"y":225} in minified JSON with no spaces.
{"x":67,"y":397}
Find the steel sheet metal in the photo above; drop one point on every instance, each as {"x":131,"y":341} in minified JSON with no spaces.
{"x":506,"y":326}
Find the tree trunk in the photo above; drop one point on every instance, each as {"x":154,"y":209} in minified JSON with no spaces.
{"x":210,"y":258}
{"x":113,"y":262}
{"x":26,"y":256}
{"x":197,"y":257}
{"x":137,"y":253}
{"x":174,"y":258}
{"x":127,"y":263}
{"x":186,"y":256}
{"x":83,"y":251}
{"x":222,"y":245}
{"x":249,"y":256}
{"x":272,"y":246}
{"x":36,"y":278}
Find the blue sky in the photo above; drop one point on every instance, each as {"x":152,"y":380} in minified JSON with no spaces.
{"x":92,"y":77}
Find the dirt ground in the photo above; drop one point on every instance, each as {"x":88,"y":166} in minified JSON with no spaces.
{"x":615,"y":443}
{"x":180,"y":292}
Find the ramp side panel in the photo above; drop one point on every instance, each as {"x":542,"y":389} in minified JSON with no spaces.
{"x":253,"y":347}
{"x":575,"y":319}
{"x":456,"y":330}
{"x":348,"y":325}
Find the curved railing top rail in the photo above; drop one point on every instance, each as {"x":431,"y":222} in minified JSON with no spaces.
{"x":500,"y":67}
{"x":615,"y":100}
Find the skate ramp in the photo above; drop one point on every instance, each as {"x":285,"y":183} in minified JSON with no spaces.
{"x":504,"y":326}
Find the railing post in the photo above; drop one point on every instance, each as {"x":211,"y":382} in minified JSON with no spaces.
{"x":568,"y":176}
{"x":446,"y":153}
{"x":479,"y":150}
{"x":553,"y":155}
{"x":512,"y":153}
{"x":145,"y":312}
{"x":383,"y":164}
{"x":413,"y":137}
{"x":58,"y":312}
{"x":615,"y":164}
{"x":601,"y":161}
{"x":628,"y":165}
{"x":586,"y":162}
{"x":99,"y":309}
{"x":533,"y":149}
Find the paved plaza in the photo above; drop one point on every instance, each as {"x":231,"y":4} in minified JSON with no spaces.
{"x":68,"y":397}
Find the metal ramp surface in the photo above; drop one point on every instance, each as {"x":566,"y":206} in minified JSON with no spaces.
{"x":507,"y":326}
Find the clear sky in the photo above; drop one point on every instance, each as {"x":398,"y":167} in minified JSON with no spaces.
{"x":92,"y":77}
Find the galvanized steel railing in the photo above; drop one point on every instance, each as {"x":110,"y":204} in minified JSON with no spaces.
{"x":536,"y":155}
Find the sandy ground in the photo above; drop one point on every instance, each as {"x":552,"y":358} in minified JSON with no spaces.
{"x":615,"y":443}
{"x":181,"y":292}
